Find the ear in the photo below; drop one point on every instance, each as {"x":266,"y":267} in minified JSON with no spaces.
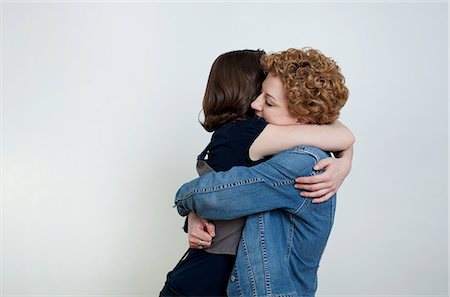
{"x":302,"y":121}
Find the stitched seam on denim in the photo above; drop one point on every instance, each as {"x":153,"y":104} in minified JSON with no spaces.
{"x":283,"y":182}
{"x":303,"y":205}
{"x":264,"y":253}
{"x":323,"y":250}
{"x":315,"y":280}
{"x":239,"y":289}
{"x":290,"y":238}
{"x":304,"y":150}
{"x":305,"y":202}
{"x":326,"y":241}
{"x":248,"y":265}
{"x":229,"y":186}
{"x":217,"y":188}
{"x":333,"y":208}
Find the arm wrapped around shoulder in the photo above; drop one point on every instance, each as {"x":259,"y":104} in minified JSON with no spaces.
{"x":242,"y":191}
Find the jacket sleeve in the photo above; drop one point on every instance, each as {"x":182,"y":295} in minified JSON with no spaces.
{"x":243,"y":191}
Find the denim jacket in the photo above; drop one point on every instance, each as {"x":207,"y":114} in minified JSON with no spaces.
{"x":285,"y":234}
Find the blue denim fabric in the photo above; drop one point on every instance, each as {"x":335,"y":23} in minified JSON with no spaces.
{"x":284,"y":236}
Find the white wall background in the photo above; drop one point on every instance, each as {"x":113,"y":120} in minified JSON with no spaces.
{"x":99,"y":129}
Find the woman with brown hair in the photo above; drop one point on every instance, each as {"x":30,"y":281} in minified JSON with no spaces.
{"x":239,"y":139}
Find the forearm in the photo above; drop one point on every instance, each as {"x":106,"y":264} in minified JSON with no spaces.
{"x":345,"y":158}
{"x":242,"y":191}
{"x":273,"y":139}
{"x":231,"y":203}
{"x":345,"y":154}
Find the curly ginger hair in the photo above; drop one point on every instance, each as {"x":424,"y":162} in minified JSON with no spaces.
{"x":315,"y":87}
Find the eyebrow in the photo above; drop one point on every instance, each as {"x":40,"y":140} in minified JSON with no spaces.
{"x":273,"y":98}
{"x":269,"y":95}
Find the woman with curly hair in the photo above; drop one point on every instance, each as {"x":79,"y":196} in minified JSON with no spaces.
{"x":285,"y":234}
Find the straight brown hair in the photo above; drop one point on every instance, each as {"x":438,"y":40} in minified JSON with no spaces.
{"x":234,"y":81}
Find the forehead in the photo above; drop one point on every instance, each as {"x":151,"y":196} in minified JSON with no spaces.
{"x":273,"y":85}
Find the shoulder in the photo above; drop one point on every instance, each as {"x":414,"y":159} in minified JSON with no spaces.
{"x":230,"y":144}
{"x":244,"y":125}
{"x":301,"y":152}
{"x":254,"y":122}
{"x":242,"y":128}
{"x":314,"y":152}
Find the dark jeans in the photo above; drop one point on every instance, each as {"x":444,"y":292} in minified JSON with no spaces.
{"x":199,"y":273}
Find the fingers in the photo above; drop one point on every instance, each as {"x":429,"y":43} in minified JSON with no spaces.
{"x":323,"y":198}
{"x":316,"y":194}
{"x":314,"y":187}
{"x":323,"y":163}
{"x":323,"y":177}
{"x":202,"y":244}
{"x":197,"y":243}
{"x":211,"y":229}
{"x":198,"y":235}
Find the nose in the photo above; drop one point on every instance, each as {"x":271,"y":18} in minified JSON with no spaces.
{"x":257,"y":103}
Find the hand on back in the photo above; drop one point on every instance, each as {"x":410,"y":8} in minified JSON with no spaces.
{"x":323,"y":186}
{"x":200,"y":232}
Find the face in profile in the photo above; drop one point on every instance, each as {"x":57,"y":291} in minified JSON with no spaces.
{"x":272,"y":104}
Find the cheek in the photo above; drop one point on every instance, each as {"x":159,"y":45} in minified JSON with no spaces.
{"x":278,"y":117}
{"x":271,"y":117}
{"x":273,"y":113}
